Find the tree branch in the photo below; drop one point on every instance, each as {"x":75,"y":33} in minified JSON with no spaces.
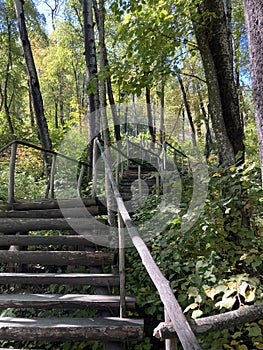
{"x":214,"y":323}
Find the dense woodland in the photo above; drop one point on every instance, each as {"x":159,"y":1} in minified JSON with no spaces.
{"x":184,"y":65}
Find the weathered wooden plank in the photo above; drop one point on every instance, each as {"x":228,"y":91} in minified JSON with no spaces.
{"x":58,"y":258}
{"x":26,"y":240}
{"x":107,"y":280}
{"x":13,"y":225}
{"x":69,"y":301}
{"x":61,"y":329}
{"x":55,"y":213}
{"x":49,"y":204}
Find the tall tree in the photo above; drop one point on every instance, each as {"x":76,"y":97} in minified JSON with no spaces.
{"x":33,"y":81}
{"x":212,"y":33}
{"x":254,"y":20}
{"x":92,"y":76}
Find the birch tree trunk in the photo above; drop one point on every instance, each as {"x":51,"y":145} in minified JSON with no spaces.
{"x":34,"y":86}
{"x":254,"y":21}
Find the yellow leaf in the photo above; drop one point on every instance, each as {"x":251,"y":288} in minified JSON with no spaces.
{"x":232,"y":285}
{"x":250,"y":296}
{"x":217,"y":175}
{"x":258,"y":345}
{"x":210,"y":293}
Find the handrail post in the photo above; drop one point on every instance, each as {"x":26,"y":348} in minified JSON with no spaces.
{"x":140,"y":179}
{"x":121,"y":265}
{"x":11,"y":185}
{"x":94,"y":169}
{"x":80,"y":180}
{"x":52,"y":176}
{"x":170,"y":344}
{"x":127,"y":150}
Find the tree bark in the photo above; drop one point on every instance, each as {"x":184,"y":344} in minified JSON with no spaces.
{"x":254,"y":21}
{"x":213,"y":42}
{"x":37,"y":100}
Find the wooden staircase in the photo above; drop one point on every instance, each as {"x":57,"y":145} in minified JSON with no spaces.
{"x":36,"y":269}
{"x":130,"y":187}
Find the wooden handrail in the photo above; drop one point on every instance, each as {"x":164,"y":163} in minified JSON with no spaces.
{"x":50,"y":186}
{"x":31,"y":145}
{"x":178,"y":319}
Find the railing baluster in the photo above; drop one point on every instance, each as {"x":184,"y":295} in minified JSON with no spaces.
{"x":121,"y":265}
{"x":80,"y":180}
{"x":52,"y":176}
{"x":170,"y":344}
{"x":94,"y":170}
{"x":140,"y":179}
{"x":11,"y":185}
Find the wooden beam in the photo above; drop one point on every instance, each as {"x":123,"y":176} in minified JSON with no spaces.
{"x":14,"y":225}
{"x":49,"y":204}
{"x":69,"y":301}
{"x":75,"y":329}
{"x":56,"y":213}
{"x":28,"y":240}
{"x":107,"y":280}
{"x":58,"y":258}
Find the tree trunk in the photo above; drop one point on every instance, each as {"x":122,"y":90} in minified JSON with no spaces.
{"x":213,"y":41}
{"x":149,"y":114}
{"x":92,"y":78}
{"x":254,"y":21}
{"x":115,"y":116}
{"x":187,"y":107}
{"x":37,"y":100}
{"x":162,"y":130}
{"x":5,"y":93}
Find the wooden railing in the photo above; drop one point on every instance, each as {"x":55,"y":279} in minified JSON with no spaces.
{"x":172,"y":308}
{"x":173,"y":311}
{"x":13,"y":145}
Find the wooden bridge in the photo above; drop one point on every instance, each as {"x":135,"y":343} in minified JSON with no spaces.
{"x":65,"y":256}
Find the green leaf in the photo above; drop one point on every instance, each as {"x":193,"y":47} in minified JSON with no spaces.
{"x":193,"y":292}
{"x":254,"y":331}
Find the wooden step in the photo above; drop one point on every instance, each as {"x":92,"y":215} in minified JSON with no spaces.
{"x":25,"y":240}
{"x":76,"y":329}
{"x":58,"y":258}
{"x":55,"y":213}
{"x":13,"y":225}
{"x":42,"y":204}
{"x":107,"y":280}
{"x":69,"y":301}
